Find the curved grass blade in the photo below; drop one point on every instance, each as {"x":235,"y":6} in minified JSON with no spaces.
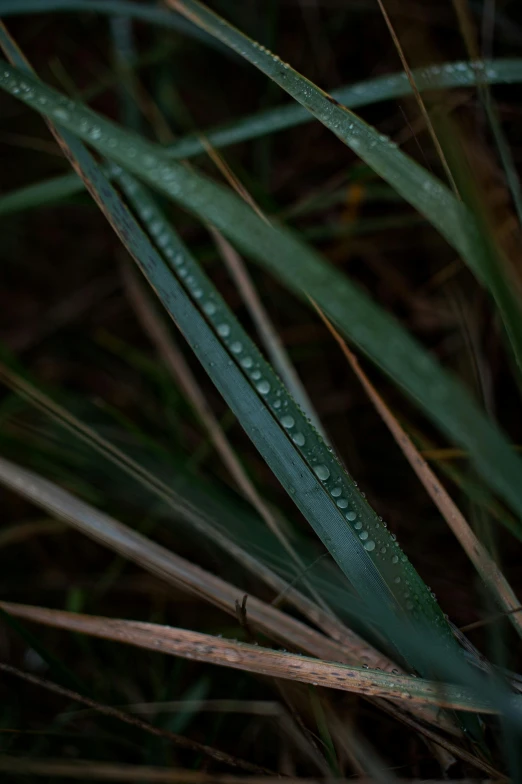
{"x":302,"y":270}
{"x":457,"y":224}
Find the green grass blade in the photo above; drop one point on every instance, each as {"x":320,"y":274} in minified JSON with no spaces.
{"x":302,"y":270}
{"x":415,"y":184}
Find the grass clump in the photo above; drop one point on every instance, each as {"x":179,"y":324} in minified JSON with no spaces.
{"x":279,"y":545}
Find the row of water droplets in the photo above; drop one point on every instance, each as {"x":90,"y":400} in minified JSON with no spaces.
{"x":371,"y":531}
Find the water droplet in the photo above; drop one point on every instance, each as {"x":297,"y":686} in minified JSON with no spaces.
{"x":395,"y":559}
{"x":95,"y":133}
{"x":61,"y":114}
{"x":351,"y":516}
{"x":342,"y":503}
{"x":397,"y":580}
{"x":363,"y":535}
{"x":256,"y":375}
{"x":299,"y":439}
{"x":287,"y":421}
{"x":336,"y":492}
{"x":163,"y":240}
{"x":358,"y":525}
{"x":277,"y":404}
{"x":369,"y":545}
{"x":322,"y":472}
{"x":236,"y":347}
{"x":223,"y":330}
{"x":247,"y":362}
{"x":263,"y":387}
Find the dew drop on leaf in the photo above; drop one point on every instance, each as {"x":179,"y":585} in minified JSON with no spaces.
{"x":322,"y":472}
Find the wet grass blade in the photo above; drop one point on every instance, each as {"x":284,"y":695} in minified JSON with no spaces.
{"x":457,"y":224}
{"x":271,"y":341}
{"x":302,"y":270}
{"x":264,"y":661}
